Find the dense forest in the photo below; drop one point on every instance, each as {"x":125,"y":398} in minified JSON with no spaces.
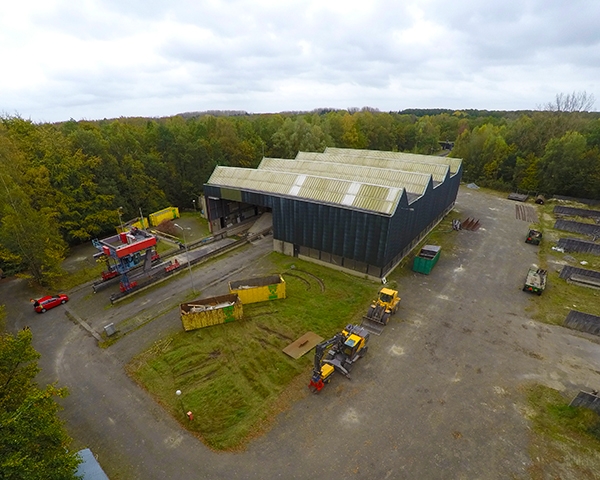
{"x":62,"y":184}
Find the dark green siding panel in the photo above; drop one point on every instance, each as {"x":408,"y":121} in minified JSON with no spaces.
{"x":365,"y":237}
{"x":409,"y":221}
{"x":231,"y":194}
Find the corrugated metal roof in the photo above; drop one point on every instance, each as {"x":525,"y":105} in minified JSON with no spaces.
{"x":273,"y":182}
{"x":413,"y":182}
{"x":454,"y":163}
{"x":577,"y":245}
{"x":89,"y":468}
{"x":436,"y":170}
{"x":350,"y":194}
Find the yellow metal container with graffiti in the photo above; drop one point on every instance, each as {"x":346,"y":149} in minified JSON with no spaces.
{"x":136,"y":222}
{"x":206,"y":312}
{"x":169,"y":213}
{"x":259,"y":289}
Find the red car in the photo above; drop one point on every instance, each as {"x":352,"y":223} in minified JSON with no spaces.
{"x":50,"y":301}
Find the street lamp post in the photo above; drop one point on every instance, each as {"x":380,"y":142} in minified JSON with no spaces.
{"x":194,"y":201}
{"x":187,"y":254}
{"x":120,"y":219}
{"x":178,"y":393}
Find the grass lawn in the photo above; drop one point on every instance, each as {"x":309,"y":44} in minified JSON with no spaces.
{"x":564,"y":440}
{"x":560,"y":296}
{"x":82,"y":276}
{"x":197,"y":223}
{"x":234,"y":377}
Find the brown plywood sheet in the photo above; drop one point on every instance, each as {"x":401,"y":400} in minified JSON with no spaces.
{"x":304,"y":344}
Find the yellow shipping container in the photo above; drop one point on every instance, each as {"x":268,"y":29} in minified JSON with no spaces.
{"x":206,"y":312}
{"x":169,"y":213}
{"x":141,"y":224}
{"x":137,"y":223}
{"x":259,"y":289}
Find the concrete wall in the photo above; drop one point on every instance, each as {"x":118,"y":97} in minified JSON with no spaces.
{"x":283,"y":247}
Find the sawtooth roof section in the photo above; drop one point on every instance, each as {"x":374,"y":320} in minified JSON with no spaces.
{"x":365,"y":160}
{"x":355,"y":195}
{"x":453,"y":163}
{"x":437,"y":171}
{"x":414,"y":183}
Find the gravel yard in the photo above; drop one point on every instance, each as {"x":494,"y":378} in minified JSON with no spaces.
{"x":439,"y":395}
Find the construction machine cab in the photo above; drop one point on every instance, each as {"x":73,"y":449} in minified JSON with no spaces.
{"x":386,"y":296}
{"x":338,"y":354}
{"x":380,"y":311}
{"x":351,"y":345}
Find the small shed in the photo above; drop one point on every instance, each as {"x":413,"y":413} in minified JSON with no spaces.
{"x":259,"y":289}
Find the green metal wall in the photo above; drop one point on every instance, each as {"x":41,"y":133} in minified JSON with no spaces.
{"x":377,"y":240}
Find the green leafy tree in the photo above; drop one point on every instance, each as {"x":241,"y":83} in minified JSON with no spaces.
{"x":428,"y":136}
{"x":378,"y":129}
{"x":296,"y":136}
{"x":406,"y":133}
{"x":496,"y":157}
{"x":526,"y":175}
{"x":33,"y":441}
{"x":487,"y":157}
{"x":29,"y":235}
{"x":448,"y":125}
{"x":568,"y":167}
{"x":352,"y":136}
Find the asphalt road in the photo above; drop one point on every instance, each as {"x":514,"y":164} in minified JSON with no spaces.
{"x":438,"y":396}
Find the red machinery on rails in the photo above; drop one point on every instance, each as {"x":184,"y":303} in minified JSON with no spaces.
{"x":124,"y":252}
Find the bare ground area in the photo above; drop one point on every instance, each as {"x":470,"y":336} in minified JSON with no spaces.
{"x":440,"y":394}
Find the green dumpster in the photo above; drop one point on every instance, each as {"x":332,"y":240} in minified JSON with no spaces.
{"x":426,"y":259}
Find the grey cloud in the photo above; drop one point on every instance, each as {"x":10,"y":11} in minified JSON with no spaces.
{"x":259,"y":55}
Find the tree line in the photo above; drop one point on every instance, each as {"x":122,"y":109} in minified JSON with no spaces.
{"x":34,"y":443}
{"x":64,"y":183}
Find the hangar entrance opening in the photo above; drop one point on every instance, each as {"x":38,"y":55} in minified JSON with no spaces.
{"x":231,"y":217}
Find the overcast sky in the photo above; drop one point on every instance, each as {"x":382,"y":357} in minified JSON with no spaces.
{"x":93,"y":59}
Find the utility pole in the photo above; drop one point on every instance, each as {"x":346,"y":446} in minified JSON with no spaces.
{"x":120,"y":219}
{"x":187,"y":254}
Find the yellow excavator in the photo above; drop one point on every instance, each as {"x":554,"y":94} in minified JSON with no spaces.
{"x":338,"y":354}
{"x":380,"y":311}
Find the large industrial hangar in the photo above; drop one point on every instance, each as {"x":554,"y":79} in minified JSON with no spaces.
{"x":357,"y":210}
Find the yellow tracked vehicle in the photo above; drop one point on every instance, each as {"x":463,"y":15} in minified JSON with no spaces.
{"x":338,"y":354}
